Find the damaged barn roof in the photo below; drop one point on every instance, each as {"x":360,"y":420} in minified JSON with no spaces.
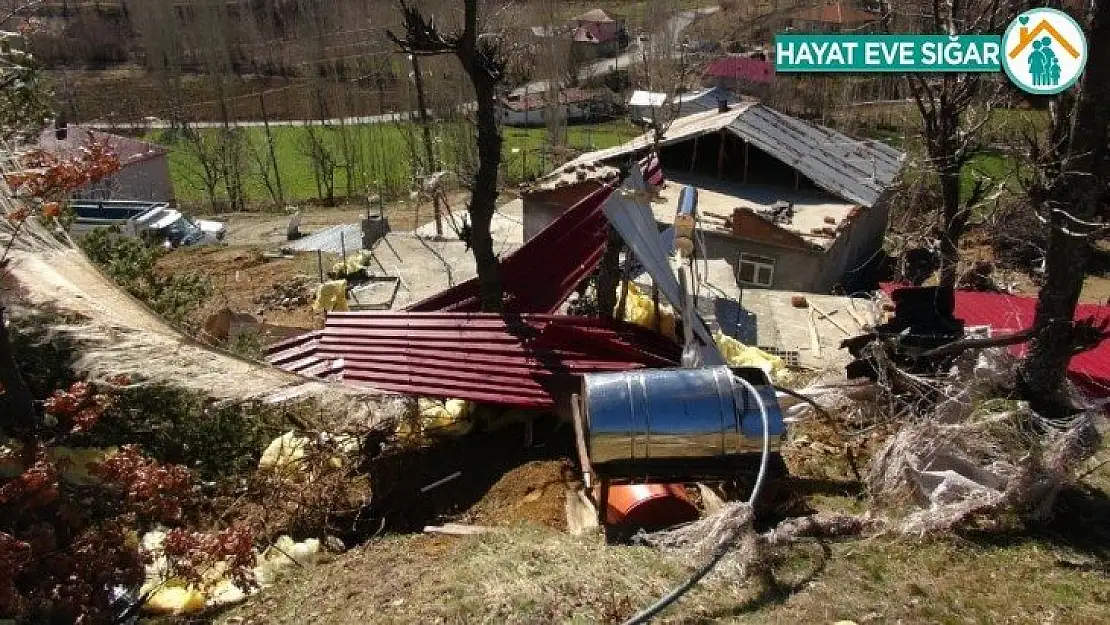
{"x":856,"y":170}
{"x":852,"y":169}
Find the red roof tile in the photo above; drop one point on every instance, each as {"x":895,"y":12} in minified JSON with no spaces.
{"x":741,"y":68}
{"x":130,"y":151}
{"x":1010,"y":313}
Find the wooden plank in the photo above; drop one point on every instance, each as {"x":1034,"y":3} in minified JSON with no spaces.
{"x":580,"y":440}
{"x":828,"y":317}
{"x":455,"y":529}
{"x":814,"y":339}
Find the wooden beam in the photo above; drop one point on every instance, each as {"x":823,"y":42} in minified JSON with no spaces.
{"x":746,"y":155}
{"x":694,"y":156}
{"x":721,"y":155}
{"x":797,"y":179}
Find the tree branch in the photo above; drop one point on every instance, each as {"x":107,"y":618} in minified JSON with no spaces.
{"x":962,"y":345}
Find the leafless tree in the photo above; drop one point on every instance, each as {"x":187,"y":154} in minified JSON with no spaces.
{"x":318,"y":147}
{"x":484,"y":66}
{"x":262,"y":167}
{"x":1071,"y":193}
{"x":667,"y":65}
{"x":207,"y":170}
{"x":954,"y":109}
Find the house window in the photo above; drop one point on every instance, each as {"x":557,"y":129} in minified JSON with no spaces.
{"x":756,"y":270}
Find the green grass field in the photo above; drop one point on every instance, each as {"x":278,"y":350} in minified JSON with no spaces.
{"x":383,"y":156}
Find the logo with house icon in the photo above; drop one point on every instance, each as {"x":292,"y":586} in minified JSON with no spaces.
{"x":1044,"y":51}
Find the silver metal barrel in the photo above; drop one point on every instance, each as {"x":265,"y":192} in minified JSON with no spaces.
{"x":672,"y":414}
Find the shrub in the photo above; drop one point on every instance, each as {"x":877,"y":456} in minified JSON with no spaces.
{"x":131,"y":263}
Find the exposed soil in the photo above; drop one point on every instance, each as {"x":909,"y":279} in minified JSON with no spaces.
{"x":531,"y":493}
{"x":246,"y":282}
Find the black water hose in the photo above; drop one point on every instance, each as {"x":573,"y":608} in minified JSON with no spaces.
{"x":654,"y":609}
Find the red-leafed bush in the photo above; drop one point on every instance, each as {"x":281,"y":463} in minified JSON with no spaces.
{"x":151,"y":490}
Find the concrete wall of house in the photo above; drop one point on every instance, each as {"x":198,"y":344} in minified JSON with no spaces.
{"x":856,"y":246}
{"x":795,"y":270}
{"x":813,"y":271}
{"x":147,"y":180}
{"x":578,"y":111}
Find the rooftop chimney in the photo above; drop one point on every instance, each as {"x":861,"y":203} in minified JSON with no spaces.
{"x":722,"y":105}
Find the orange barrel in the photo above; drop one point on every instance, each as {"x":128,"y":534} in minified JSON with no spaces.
{"x":649,"y":505}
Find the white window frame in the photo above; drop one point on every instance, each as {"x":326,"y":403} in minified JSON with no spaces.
{"x":757,"y":263}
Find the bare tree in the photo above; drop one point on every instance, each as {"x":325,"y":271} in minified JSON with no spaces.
{"x":205,"y":151}
{"x":954,"y":109}
{"x":667,"y":66}
{"x":315,"y":145}
{"x":261,"y":164}
{"x":484,"y":66}
{"x":1071,"y":193}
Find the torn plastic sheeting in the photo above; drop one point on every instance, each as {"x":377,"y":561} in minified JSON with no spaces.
{"x":331,"y":296}
{"x":637,"y":227}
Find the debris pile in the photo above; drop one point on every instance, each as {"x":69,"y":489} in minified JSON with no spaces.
{"x":289,"y":295}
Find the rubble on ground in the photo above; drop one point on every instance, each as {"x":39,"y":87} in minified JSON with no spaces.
{"x":292,"y":294}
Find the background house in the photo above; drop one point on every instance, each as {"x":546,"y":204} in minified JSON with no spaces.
{"x":645,"y":106}
{"x":745,"y":74}
{"x":597,"y":33}
{"x":832,"y":17}
{"x":144,"y":172}
{"x":532,"y":109}
{"x":784,"y":204}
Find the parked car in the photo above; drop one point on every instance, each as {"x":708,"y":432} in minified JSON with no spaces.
{"x":156,"y":222}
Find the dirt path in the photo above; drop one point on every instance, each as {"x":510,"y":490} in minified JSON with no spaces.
{"x":269,"y":229}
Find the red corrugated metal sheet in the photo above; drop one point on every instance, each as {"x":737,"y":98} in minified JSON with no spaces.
{"x":1011,"y":313}
{"x":515,"y":360}
{"x":542,"y":274}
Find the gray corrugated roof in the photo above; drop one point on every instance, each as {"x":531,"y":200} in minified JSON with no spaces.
{"x":851,"y":169}
{"x":331,"y":240}
{"x":855,"y":170}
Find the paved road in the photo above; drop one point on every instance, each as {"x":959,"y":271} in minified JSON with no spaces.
{"x":672,"y":31}
{"x":158,"y":124}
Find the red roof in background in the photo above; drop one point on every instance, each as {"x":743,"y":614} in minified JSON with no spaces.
{"x":742,"y":68}
{"x":129,"y":150}
{"x":515,"y":360}
{"x":542,"y":274}
{"x":1012,"y":313}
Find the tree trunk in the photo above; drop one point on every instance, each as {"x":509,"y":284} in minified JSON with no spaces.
{"x":1045,"y":370}
{"x":608,"y":277}
{"x":483,"y":201}
{"x":17,"y":406}
{"x":952,"y":230}
{"x":1077,"y":191}
{"x":425,"y":125}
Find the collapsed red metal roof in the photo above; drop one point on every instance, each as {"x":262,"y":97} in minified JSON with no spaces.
{"x":515,"y":360}
{"x":526,"y":357}
{"x":542,"y":274}
{"x":1012,"y":313}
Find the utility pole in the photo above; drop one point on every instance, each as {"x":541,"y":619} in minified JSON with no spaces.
{"x":421,"y":103}
{"x":273,"y":153}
